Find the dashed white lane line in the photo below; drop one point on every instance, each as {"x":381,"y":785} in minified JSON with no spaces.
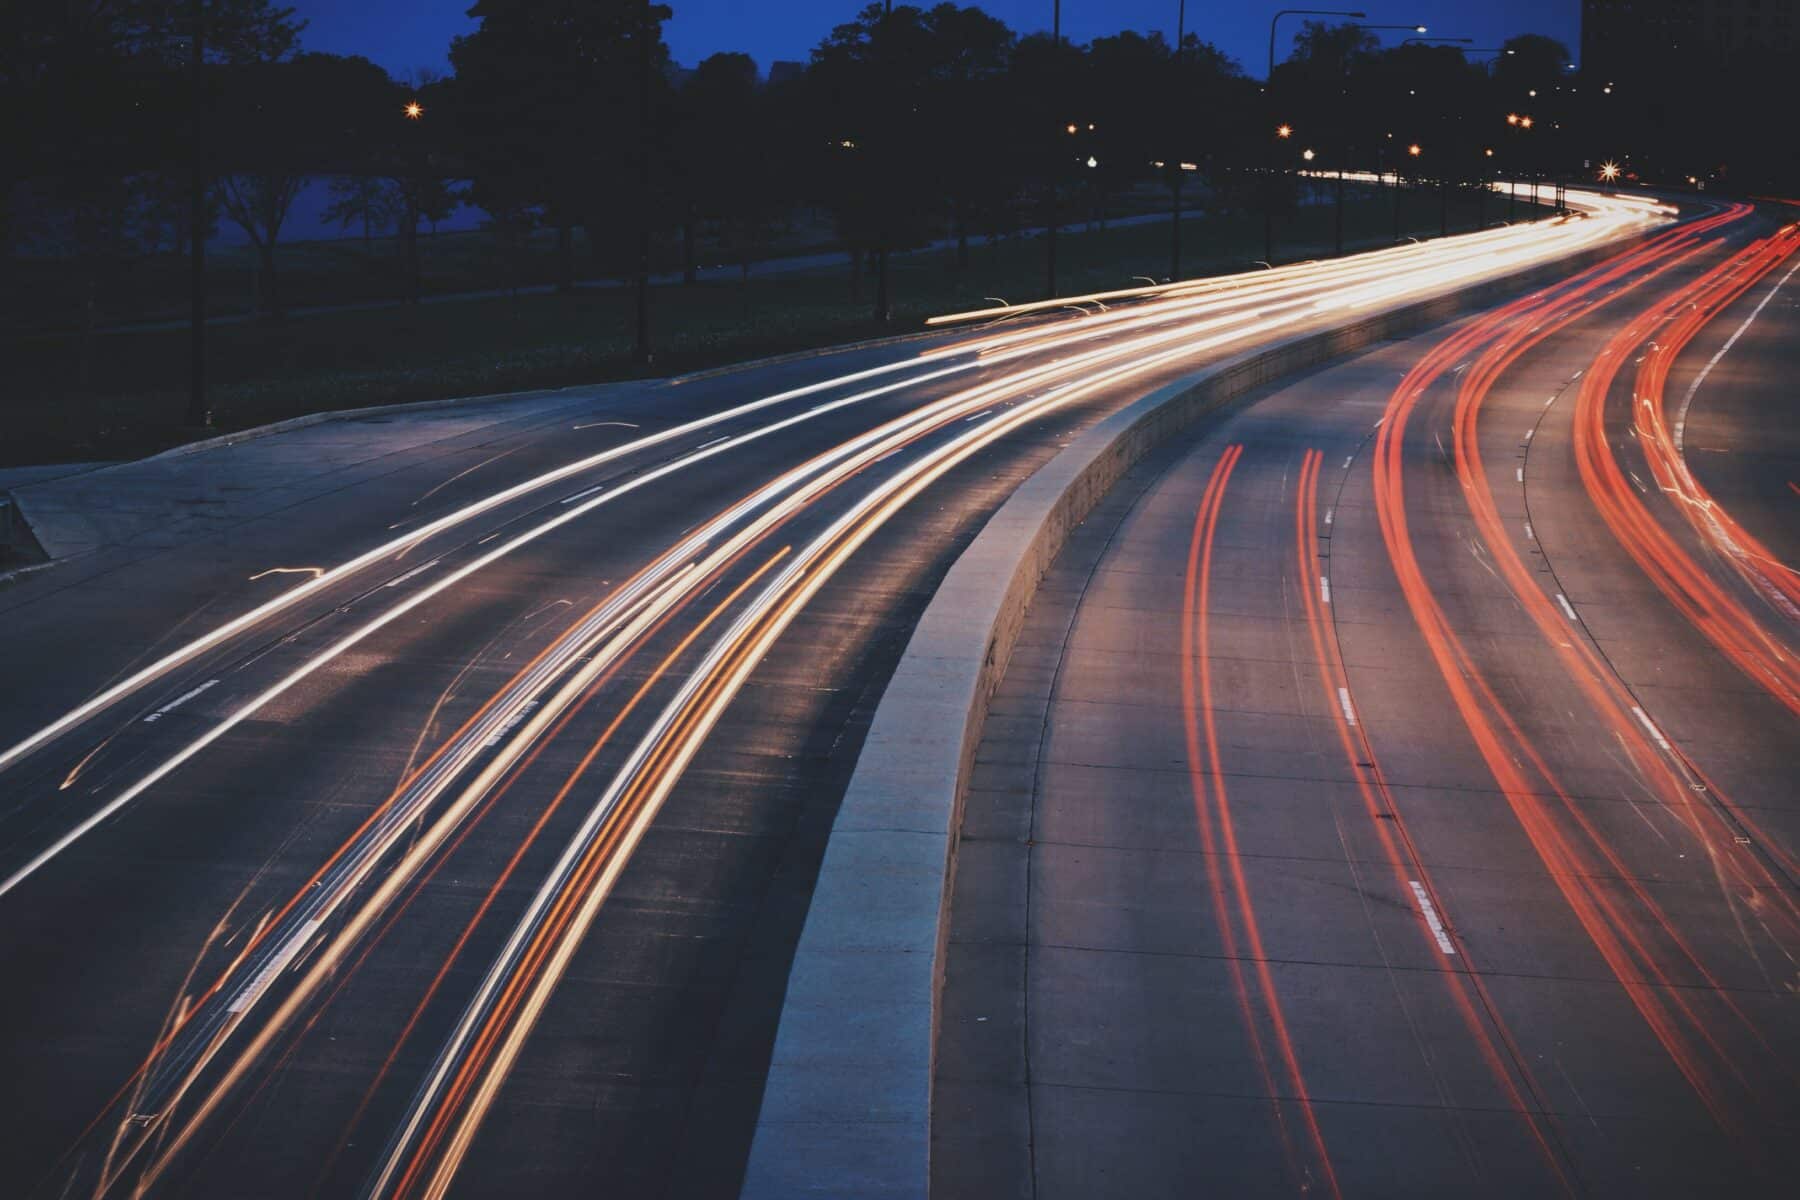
{"x":1344,"y":699}
{"x":1429,"y":910}
{"x":512,"y":722}
{"x":1328,"y":516}
{"x":580,"y":495}
{"x":984,"y":412}
{"x":1348,"y":459}
{"x":418,"y":570}
{"x":1566,"y":606}
{"x":1651,"y":727}
{"x":1529,"y":536}
{"x":1521,"y":474}
{"x":272,"y":968}
{"x":1325,"y":589}
{"x":177,"y":702}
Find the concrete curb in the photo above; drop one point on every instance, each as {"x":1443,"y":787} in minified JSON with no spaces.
{"x":305,"y":420}
{"x":846,"y":1107}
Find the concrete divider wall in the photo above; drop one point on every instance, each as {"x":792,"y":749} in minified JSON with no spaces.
{"x":846,"y":1107}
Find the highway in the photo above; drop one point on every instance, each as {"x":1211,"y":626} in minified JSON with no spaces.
{"x":450,"y":836}
{"x":1394,"y":792}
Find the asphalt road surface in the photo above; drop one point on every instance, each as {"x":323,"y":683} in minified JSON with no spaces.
{"x":453,"y":832}
{"x":1396,"y":791}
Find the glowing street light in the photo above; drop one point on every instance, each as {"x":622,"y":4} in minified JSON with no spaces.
{"x":1512,"y":118}
{"x":1414,"y":150}
{"x":414,"y":110}
{"x":1282,"y":131}
{"x":1524,"y":122}
{"x":1609,"y":171}
{"x":1307,"y":154}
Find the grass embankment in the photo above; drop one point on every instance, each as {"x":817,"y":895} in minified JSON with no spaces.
{"x":133,"y":398}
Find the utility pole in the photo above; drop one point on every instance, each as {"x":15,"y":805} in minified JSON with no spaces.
{"x":198,"y":414}
{"x":641,"y":352}
{"x":1056,"y":171}
{"x":1175,"y":225}
{"x":884,"y":309}
{"x":1337,"y":216}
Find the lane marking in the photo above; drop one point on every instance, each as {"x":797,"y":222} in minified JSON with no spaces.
{"x":1521,"y":474}
{"x":1529,"y":536}
{"x":261,"y":980}
{"x":1348,"y":459}
{"x":984,"y":412}
{"x":511,"y":723}
{"x":315,"y":572}
{"x":1329,"y":511}
{"x":1325,"y":589}
{"x":1432,"y":922}
{"x":1344,"y":699}
{"x":579,"y":495}
{"x":177,"y":702}
{"x":601,"y":424}
{"x":1566,"y":606}
{"x":714,"y":442}
{"x":1682,"y":412}
{"x":1651,"y":727}
{"x":418,"y":570}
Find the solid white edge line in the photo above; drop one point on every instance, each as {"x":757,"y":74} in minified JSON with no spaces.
{"x":1688,"y":398}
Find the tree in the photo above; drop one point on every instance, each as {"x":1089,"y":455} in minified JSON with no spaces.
{"x":363,"y":200}
{"x":280,"y":122}
{"x":548,"y":92}
{"x":720,"y":171}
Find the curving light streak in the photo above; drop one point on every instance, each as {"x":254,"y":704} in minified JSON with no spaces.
{"x":1388,"y":274}
{"x":1169,"y":332}
{"x":476,"y":1084}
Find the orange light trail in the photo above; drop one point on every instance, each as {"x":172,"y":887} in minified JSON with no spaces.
{"x":1218,"y":838}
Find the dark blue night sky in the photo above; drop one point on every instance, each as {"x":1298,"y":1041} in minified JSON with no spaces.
{"x":404,"y":35}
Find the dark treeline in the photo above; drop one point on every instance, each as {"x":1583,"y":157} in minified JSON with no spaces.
{"x":904,"y":125}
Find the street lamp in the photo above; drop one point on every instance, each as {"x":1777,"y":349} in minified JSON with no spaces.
{"x":1303,"y":12}
{"x":1609,"y":171}
{"x":1282,"y":131}
{"x":1307,"y":154}
{"x":1050,"y":229}
{"x":414,"y":110}
{"x":1269,"y":197}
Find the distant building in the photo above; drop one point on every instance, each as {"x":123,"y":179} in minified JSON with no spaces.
{"x":1680,"y":89}
{"x":781,"y":71}
{"x":1633,"y":38}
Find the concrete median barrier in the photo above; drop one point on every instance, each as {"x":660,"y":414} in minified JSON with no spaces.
{"x":847,"y":1106}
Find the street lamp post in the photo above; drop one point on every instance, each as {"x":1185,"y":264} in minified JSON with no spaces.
{"x":1050,"y":231}
{"x":883,"y":298}
{"x":1175,"y":225}
{"x":1413,"y":151}
{"x":1269,"y":194}
{"x":198,"y":413}
{"x":641,"y":352}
